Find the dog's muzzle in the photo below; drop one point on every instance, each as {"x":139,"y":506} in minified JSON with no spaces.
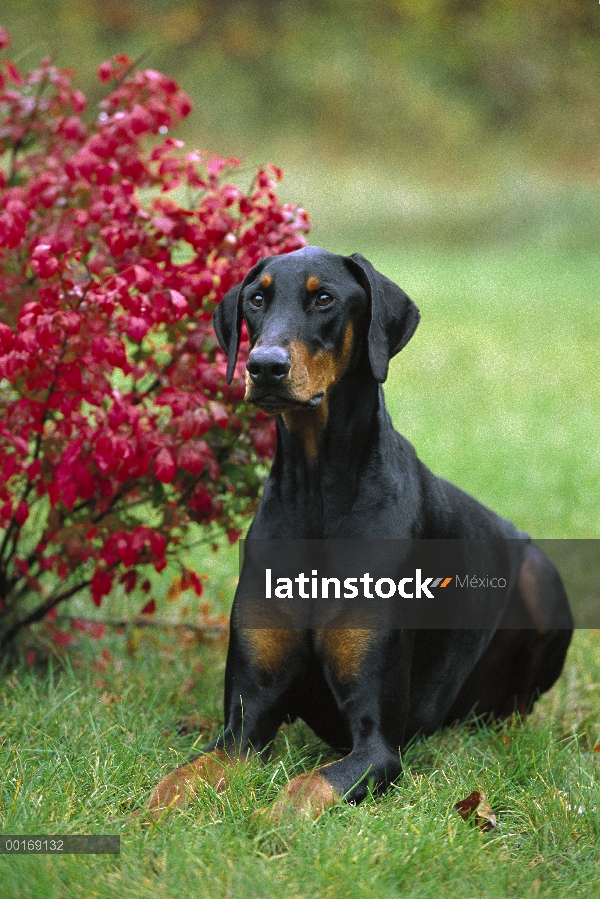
{"x":268,"y":366}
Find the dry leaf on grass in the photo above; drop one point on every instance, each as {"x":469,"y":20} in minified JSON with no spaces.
{"x":476,"y":809}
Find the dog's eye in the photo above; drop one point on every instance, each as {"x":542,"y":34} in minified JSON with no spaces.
{"x":324,"y":299}
{"x":257,"y":300}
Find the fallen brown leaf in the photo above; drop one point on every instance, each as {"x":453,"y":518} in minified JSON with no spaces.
{"x":476,"y":808}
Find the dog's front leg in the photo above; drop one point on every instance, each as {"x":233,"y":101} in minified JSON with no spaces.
{"x":369,"y":674}
{"x":260,"y":667}
{"x":371,"y":765}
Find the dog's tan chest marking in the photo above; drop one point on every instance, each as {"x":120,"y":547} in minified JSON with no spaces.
{"x":345,"y":650}
{"x":270,"y":648}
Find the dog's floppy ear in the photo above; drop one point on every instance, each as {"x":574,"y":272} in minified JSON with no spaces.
{"x":227,"y":319}
{"x":394,"y":316}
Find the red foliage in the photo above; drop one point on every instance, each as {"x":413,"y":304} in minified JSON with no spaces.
{"x":117,"y":429}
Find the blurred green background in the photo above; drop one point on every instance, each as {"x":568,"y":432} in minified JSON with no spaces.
{"x":398,"y":121}
{"x":453,"y":142}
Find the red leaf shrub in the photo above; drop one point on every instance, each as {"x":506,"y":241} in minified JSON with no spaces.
{"x":118,"y":432}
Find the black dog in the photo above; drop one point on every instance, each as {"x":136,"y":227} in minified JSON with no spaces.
{"x":322,"y":330}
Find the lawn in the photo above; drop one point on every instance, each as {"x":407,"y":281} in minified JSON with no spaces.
{"x":499,"y":392}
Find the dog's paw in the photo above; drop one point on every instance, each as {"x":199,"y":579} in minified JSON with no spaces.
{"x":181,"y":785}
{"x":307,"y":795}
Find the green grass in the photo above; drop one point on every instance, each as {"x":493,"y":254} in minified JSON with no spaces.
{"x":499,"y":392}
{"x":82,"y":749}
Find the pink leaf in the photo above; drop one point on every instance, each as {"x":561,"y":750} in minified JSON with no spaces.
{"x":164,"y":466}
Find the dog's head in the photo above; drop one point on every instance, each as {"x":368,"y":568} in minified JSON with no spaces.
{"x":307,"y":315}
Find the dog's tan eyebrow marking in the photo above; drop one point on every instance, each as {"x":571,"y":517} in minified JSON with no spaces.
{"x":266,"y":281}
{"x":312,"y":283}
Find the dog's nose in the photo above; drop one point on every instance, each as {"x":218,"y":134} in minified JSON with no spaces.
{"x":268,"y":365}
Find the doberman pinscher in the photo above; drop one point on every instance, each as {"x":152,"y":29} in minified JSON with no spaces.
{"x":322,"y":330}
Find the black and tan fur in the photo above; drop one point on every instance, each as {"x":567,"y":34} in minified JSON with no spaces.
{"x":322,"y":329}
